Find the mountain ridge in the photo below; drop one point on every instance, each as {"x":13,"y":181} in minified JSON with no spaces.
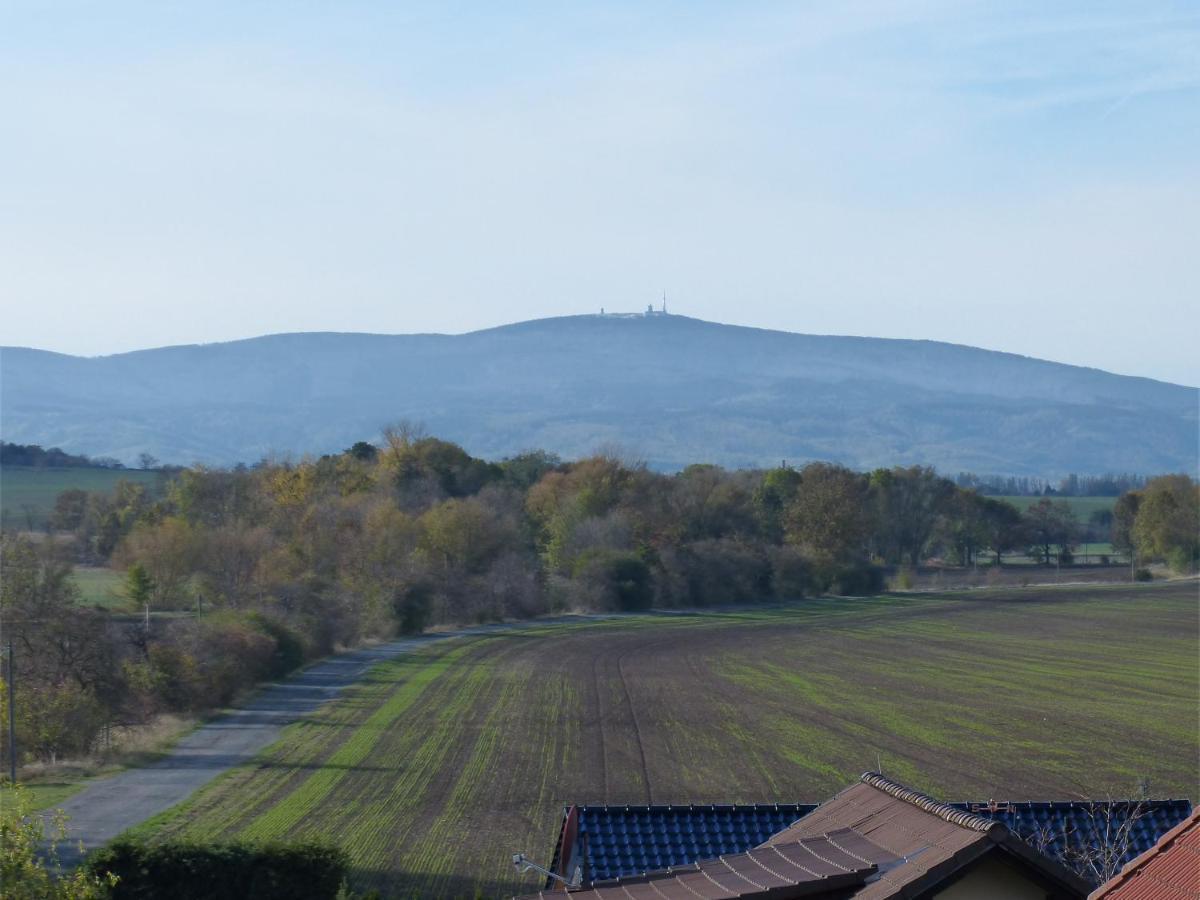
{"x":283,"y":335}
{"x":732,"y":394}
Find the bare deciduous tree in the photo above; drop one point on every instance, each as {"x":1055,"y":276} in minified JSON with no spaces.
{"x":1096,"y":851}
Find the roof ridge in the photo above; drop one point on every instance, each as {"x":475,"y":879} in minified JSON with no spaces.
{"x":1079,"y":801}
{"x":930,"y":805}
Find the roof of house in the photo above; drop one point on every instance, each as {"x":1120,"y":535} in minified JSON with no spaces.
{"x":621,"y":841}
{"x":874,"y":840}
{"x":1169,"y":870}
{"x":935,"y":840}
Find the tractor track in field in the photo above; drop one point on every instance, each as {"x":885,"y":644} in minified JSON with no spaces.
{"x":603,"y":665}
{"x":637,"y":731}
{"x":600,"y":723}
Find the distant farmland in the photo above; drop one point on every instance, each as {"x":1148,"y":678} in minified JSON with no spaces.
{"x":99,"y":586}
{"x":27,"y":492}
{"x":1083,"y":507}
{"x":441,"y":764}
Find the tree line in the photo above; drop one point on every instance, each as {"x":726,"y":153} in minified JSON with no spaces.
{"x":1111,"y":484}
{"x":36,"y":456}
{"x":272,"y":565}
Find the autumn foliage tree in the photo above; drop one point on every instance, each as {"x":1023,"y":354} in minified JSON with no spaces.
{"x":1162,"y":521}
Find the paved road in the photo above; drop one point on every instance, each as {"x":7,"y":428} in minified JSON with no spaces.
{"x":108,"y":806}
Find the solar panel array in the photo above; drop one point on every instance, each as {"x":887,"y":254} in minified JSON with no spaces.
{"x":628,"y":840}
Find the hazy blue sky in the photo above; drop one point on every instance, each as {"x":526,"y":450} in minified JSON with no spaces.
{"x":1024,"y":177}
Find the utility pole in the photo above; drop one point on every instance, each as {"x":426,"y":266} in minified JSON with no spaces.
{"x":12,"y":717}
{"x":10,"y":689}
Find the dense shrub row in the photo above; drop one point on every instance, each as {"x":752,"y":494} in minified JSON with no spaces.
{"x":233,"y":871}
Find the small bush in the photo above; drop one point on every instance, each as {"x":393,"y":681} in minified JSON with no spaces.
{"x":192,"y":871}
{"x":289,"y":652}
{"x":717,"y":571}
{"x":790,"y":575}
{"x":857,"y":580}
{"x":1181,"y":560}
{"x":413,"y":608}
{"x":172,"y":674}
{"x":231,"y":654}
{"x":620,"y":578}
{"x":1143,"y":575}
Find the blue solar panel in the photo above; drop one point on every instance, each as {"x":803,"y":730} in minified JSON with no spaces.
{"x":620,"y":841}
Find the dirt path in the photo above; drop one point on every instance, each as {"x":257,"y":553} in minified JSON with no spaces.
{"x":109,"y":806}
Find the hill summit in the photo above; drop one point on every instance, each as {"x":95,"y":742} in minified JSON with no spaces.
{"x":670,"y":389}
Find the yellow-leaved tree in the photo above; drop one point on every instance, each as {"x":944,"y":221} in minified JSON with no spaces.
{"x":29,"y":867}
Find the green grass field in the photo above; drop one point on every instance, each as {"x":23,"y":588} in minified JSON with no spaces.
{"x":99,"y":586}
{"x":29,"y":493}
{"x":43,"y":795}
{"x":439,"y":766}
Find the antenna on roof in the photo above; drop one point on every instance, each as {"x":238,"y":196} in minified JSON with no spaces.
{"x":522,"y":864}
{"x":879,"y":763}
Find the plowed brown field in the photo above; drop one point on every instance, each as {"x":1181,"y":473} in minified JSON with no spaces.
{"x":440,"y":765}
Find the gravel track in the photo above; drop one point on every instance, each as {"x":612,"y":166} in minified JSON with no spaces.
{"x":108,"y":806}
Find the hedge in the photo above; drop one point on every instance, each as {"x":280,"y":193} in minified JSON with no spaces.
{"x":193,"y":871}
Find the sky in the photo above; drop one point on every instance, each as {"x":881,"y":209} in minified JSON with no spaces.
{"x":1017,"y":176}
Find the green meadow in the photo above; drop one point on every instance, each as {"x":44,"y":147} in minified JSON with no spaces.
{"x":99,"y":586}
{"x":27,"y":494}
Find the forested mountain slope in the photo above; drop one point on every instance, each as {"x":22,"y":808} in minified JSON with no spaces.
{"x":669,"y":389}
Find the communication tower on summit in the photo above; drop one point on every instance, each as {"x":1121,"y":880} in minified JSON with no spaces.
{"x":649,"y":312}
